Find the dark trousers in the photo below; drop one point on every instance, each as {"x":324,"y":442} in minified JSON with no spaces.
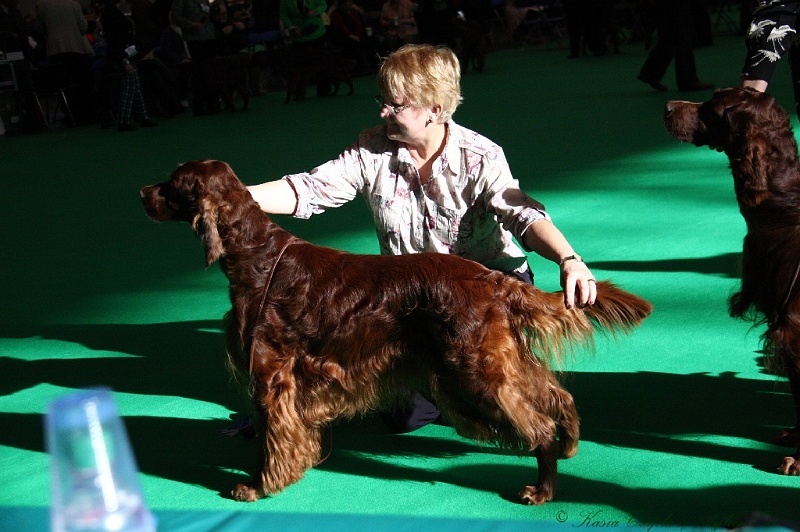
{"x":675,"y":41}
{"x":131,"y":101}
{"x":205,"y":97}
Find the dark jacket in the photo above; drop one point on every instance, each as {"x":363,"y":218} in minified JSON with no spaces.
{"x":14,"y":33}
{"x":118,"y":31}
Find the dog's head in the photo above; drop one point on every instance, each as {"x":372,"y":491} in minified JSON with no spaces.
{"x":724,"y":121}
{"x":202,"y":193}
{"x":746,"y":124}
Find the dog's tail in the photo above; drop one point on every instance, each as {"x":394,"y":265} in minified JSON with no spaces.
{"x":553,"y":331}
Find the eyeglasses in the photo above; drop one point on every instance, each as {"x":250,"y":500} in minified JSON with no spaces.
{"x":394,"y":109}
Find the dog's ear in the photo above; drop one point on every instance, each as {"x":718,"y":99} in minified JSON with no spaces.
{"x":753,"y":180}
{"x":205,"y":225}
{"x":220,"y":198}
{"x":766,"y":125}
{"x":207,"y":218}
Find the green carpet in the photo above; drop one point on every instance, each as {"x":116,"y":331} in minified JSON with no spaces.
{"x":675,"y":418}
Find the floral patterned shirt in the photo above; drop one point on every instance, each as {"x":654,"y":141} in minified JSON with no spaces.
{"x":470,"y":207}
{"x":766,"y":3}
{"x":771,"y":34}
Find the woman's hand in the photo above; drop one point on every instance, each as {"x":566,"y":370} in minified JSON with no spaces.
{"x":578,"y":283}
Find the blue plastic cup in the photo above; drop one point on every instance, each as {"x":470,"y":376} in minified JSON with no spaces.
{"x":94,"y":477}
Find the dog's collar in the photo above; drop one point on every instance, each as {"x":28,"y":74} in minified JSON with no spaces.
{"x":791,"y":286}
{"x":264,"y":299}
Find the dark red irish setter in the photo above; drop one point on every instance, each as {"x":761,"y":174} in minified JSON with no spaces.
{"x":316,"y":334}
{"x":754,"y":132}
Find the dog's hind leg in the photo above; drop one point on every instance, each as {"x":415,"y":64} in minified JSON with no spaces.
{"x":791,"y":437}
{"x":513,"y":421}
{"x":566,"y":418}
{"x":791,"y":464}
{"x":523,"y":404}
{"x":794,"y":384}
{"x":539,"y":431}
{"x":785,"y":341}
{"x":547,"y":460}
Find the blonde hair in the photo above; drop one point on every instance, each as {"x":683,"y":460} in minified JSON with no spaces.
{"x":425,"y":75}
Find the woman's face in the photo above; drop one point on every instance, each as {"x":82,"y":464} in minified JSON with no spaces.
{"x":404,"y":122}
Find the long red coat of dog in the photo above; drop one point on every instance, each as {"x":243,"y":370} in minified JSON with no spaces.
{"x":754,"y":132}
{"x":316,"y":334}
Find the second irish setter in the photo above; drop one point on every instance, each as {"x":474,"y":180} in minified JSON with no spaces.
{"x":754,"y":132}
{"x":316,"y":334}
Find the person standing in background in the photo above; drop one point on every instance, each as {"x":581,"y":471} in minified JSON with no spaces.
{"x":68,"y":50}
{"x":304,"y":22}
{"x":123,"y":57}
{"x":675,"y":26}
{"x":194,"y":19}
{"x":398,"y":23}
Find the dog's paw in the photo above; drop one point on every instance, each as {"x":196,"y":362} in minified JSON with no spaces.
{"x":790,"y":466}
{"x":535,"y":495}
{"x":244,"y":493}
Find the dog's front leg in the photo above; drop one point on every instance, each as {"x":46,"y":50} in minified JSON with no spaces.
{"x":254,"y":490}
{"x":289,"y":447}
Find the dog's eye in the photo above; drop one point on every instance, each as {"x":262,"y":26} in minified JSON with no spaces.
{"x":710,"y":114}
{"x":173,"y":198}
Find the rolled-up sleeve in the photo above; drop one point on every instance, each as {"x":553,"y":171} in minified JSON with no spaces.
{"x":329,"y":185}
{"x":515,"y":210}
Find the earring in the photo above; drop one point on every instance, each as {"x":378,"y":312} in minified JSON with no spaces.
{"x":430,"y":121}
